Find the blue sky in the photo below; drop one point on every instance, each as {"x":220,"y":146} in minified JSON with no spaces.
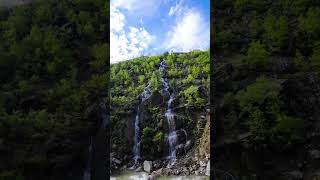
{"x":149,"y":27}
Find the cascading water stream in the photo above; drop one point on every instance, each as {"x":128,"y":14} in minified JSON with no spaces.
{"x":172,"y":138}
{"x":145,"y":95}
{"x":136,"y":147}
{"x":87,"y":171}
{"x":103,"y":115}
{"x":172,"y":134}
{"x":97,"y":142}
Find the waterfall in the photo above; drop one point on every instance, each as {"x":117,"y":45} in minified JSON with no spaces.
{"x":103,"y":115}
{"x":172,"y":130}
{"x":145,"y":95}
{"x":172,"y":134}
{"x":136,"y":147}
{"x":87,"y":171}
{"x":98,"y":142}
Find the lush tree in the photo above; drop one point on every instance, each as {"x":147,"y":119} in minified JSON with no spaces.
{"x":257,"y":55}
{"x":309,"y":24}
{"x":276,"y":32}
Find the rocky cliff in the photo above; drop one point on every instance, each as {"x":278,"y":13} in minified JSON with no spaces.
{"x":171,"y":103}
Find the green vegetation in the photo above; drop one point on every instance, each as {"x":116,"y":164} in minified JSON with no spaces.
{"x":53,"y":67}
{"x":266,"y":84}
{"x":188,"y":77}
{"x":277,"y":44}
{"x":129,"y":78}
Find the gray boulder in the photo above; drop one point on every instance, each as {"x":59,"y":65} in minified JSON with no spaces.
{"x":147,"y":166}
{"x":314,"y":153}
{"x":208,"y":169}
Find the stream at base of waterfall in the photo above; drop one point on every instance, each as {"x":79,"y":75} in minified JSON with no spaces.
{"x":131,"y":175}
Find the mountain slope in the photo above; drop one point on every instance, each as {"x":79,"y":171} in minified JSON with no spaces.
{"x":53,"y":75}
{"x":168,"y":95}
{"x":266,"y":78}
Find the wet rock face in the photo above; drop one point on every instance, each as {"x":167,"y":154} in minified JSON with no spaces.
{"x":302,"y":95}
{"x":156,"y":99}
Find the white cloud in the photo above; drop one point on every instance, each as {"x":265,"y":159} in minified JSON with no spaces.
{"x":126,"y":43}
{"x":138,"y":7}
{"x":177,"y":9}
{"x":117,"y":20}
{"x":190,"y":32}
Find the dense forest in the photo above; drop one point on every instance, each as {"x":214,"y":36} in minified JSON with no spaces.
{"x":54,"y":75}
{"x":266,"y":95}
{"x":142,"y":88}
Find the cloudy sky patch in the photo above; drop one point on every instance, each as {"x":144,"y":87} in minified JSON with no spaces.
{"x":156,"y":26}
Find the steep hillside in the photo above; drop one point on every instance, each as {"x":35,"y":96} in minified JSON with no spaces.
{"x":53,"y":84}
{"x":159,"y":108}
{"x":267,"y":89}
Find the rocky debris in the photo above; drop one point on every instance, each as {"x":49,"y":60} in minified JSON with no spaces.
{"x":157,"y":164}
{"x":138,"y":169}
{"x":202,"y":164}
{"x":295,"y":175}
{"x":243,"y":136}
{"x":182,"y":167}
{"x":147,"y":166}
{"x":115,"y":160}
{"x":155,"y":174}
{"x":314,"y":153}
{"x":208,"y":169}
{"x":188,"y":145}
{"x":180,"y":149}
{"x":202,"y":170}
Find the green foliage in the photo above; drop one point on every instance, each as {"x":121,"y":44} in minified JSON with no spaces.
{"x":155,"y":81}
{"x":262,"y":90}
{"x":10,"y":175}
{"x":147,"y":137}
{"x":256,"y":28}
{"x":101,"y":55}
{"x":257,"y":55}
{"x":260,"y":109}
{"x":46,"y":85}
{"x":158,"y":139}
{"x":309,"y":24}
{"x":315,"y":58}
{"x":289,"y":129}
{"x":225,"y":38}
{"x":174,"y":72}
{"x":152,"y":142}
{"x":279,"y":40}
{"x":258,"y":124}
{"x":189,"y":80}
{"x":187,"y":74}
{"x":192,"y":96}
{"x":242,"y":5}
{"x":141,"y":79}
{"x":276,"y":32}
{"x":300,"y":62}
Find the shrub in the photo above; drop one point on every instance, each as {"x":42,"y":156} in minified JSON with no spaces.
{"x":257,"y":55}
